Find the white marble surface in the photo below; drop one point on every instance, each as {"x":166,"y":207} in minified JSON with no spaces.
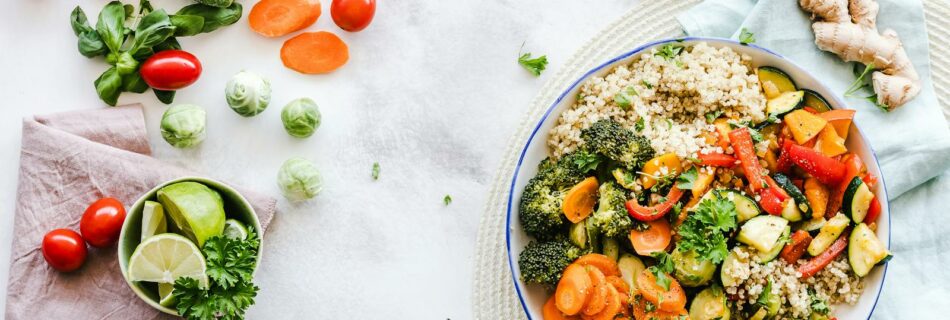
{"x":432,"y":92}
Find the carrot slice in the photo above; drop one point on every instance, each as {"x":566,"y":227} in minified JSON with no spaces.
{"x":314,"y":52}
{"x":605,"y":264}
{"x":618,"y":283}
{"x":598,"y":296}
{"x":573,"y":289}
{"x":640,"y":312}
{"x":655,"y":238}
{"x":275,"y":18}
{"x":580,"y":200}
{"x":550,"y":311}
{"x":672,"y":300}
{"x":614,"y":306}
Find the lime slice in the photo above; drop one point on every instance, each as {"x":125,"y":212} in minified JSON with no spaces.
{"x":166,"y":299}
{"x":235,"y":229}
{"x":195,"y":209}
{"x":166,"y":257}
{"x":153,"y":220}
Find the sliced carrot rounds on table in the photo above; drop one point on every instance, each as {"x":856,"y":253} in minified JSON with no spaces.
{"x":314,"y":52}
{"x":275,"y":18}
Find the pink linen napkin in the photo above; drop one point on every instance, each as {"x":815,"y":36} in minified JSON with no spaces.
{"x":67,"y":161}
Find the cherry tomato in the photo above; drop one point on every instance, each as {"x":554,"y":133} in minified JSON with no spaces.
{"x":102,"y":222}
{"x":352,"y":15}
{"x":170,"y":70}
{"x":64,"y":250}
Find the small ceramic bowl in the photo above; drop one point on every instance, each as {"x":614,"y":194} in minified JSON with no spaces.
{"x":535,"y":149}
{"x":235,"y":207}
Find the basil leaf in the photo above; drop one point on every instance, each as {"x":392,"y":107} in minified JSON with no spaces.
{"x":79,"y":22}
{"x":187,"y":25}
{"x":216,"y":3}
{"x":109,"y":86}
{"x":214,"y":17}
{"x":133,"y":82}
{"x":143,"y":54}
{"x":90,"y":45}
{"x":169,"y":44}
{"x":165,"y":97}
{"x":111,"y":25}
{"x":126,"y":64}
{"x":153,"y":29}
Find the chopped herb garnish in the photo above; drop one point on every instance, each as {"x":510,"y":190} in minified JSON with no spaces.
{"x":685,"y":180}
{"x":622,"y":100}
{"x":703,"y":231}
{"x":818,"y":305}
{"x":646,"y":84}
{"x":586,"y":161}
{"x":669,"y":51}
{"x":712,"y":115}
{"x":447,"y":200}
{"x":766,"y":295}
{"x":664,"y":266}
{"x":533,"y":65}
{"x":639,"y":124}
{"x":746,"y":37}
{"x":375,"y":170}
{"x":669,"y":124}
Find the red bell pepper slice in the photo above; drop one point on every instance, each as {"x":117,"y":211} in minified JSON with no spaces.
{"x":784,"y":164}
{"x":819,"y":262}
{"x":827,"y":170}
{"x":873,"y":212}
{"x":795,"y":249}
{"x":717,"y":160}
{"x":869,"y":179}
{"x":771,"y":201}
{"x":742,"y":145}
{"x":779,"y":191}
{"x":854,"y":166}
{"x":657,"y":211}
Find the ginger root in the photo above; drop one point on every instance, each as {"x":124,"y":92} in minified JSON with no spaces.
{"x":848,"y":29}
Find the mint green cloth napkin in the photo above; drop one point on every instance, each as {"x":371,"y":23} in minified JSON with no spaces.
{"x":912,"y":143}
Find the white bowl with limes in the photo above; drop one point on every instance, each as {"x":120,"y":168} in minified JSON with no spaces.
{"x":236,"y":207}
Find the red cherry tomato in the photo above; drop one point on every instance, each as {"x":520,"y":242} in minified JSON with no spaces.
{"x":170,"y":70}
{"x":64,"y":250}
{"x":102,"y":222}
{"x":352,"y":15}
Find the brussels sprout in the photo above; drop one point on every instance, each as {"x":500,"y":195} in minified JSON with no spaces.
{"x":301,"y":117}
{"x":183,"y":125}
{"x":248,"y":93}
{"x":690,"y":269}
{"x":299,"y":179}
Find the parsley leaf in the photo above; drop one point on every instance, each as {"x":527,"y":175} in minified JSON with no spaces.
{"x":587,"y":161}
{"x":447,"y":200}
{"x":669,"y":51}
{"x":230,"y":261}
{"x":230,"y":264}
{"x":639,"y":125}
{"x":818,"y":305}
{"x":746,"y":37}
{"x":535,"y":65}
{"x":685,"y":180}
{"x":766,"y":295}
{"x":703,"y":230}
{"x":664,"y":266}
{"x":646,"y":84}
{"x":711,"y":116}
{"x":622,"y":99}
{"x":375,"y":170}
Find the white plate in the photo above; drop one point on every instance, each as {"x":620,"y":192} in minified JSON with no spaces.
{"x":533,"y":297}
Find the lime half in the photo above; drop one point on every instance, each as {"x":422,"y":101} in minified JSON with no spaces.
{"x":166,"y":257}
{"x":196,"y":210}
{"x":166,"y":299}
{"x":235,"y":229}
{"x":153,"y":220}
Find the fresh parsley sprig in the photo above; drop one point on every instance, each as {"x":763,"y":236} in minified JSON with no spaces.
{"x":230,"y":267}
{"x":533,"y":65}
{"x":703,"y":230}
{"x":746,"y":36}
{"x":663,"y":267}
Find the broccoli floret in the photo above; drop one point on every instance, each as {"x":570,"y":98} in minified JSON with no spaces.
{"x":612,"y":140}
{"x":543,"y":262}
{"x":611,"y":217}
{"x":540,"y":208}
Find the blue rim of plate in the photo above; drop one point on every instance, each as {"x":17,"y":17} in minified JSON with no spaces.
{"x":627,"y":55}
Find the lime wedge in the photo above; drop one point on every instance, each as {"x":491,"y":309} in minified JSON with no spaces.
{"x":235,"y":229}
{"x":196,"y":210}
{"x":153,"y":220}
{"x":166,"y":299}
{"x":166,"y":257}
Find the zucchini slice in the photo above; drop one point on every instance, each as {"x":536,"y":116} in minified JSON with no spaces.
{"x":709,"y":304}
{"x":779,"y":78}
{"x":731,"y":262}
{"x":593,"y":235}
{"x":815,"y":223}
{"x":857,"y":200}
{"x":865,"y":250}
{"x":801,"y":202}
{"x":630,"y":266}
{"x":745,"y":207}
{"x":578,"y":234}
{"x":816,"y":101}
{"x":762,"y":232}
{"x":765,"y":257}
{"x":783,"y":104}
{"x":828,"y":234}
{"x":611,"y":248}
{"x":790,"y":211}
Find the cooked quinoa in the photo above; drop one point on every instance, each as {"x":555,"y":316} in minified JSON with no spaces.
{"x":834,"y":284}
{"x":670,"y":97}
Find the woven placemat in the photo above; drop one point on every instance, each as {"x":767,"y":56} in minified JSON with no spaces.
{"x":493,"y":291}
